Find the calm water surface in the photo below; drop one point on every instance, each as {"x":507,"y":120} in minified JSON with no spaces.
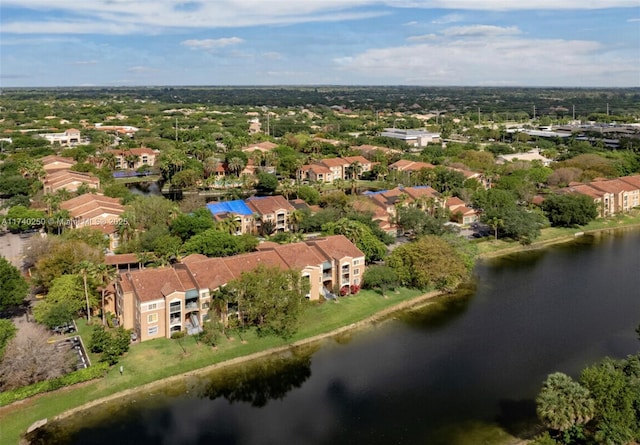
{"x":428,"y":377}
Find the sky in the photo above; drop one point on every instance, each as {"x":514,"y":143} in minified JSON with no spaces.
{"x":563,"y":43}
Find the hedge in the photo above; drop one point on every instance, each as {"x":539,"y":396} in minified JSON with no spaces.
{"x":82,"y":375}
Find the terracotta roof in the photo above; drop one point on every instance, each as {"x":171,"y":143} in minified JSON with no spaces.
{"x":92,"y":205}
{"x":121,"y":258}
{"x":333,"y":162}
{"x":360,"y":159}
{"x":586,"y":189}
{"x":336,"y":247}
{"x":153,"y":284}
{"x":209,"y":273}
{"x":266,"y":205}
{"x":55,"y":159}
{"x":262,"y":146}
{"x":613,"y":186}
{"x":244,"y":263}
{"x":62,"y":178}
{"x":633,"y":180}
{"x":406,"y":165}
{"x":299,"y":255}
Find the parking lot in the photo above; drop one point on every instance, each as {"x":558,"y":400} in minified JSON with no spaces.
{"x":75,"y":344}
{"x":11,"y":246}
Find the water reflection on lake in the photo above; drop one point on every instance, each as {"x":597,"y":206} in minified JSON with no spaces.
{"x":447,"y":373}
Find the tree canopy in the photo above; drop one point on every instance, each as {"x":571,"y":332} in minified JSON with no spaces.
{"x":430,"y":262}
{"x":217,"y":243}
{"x":569,"y":210}
{"x":13,"y":287}
{"x":270,"y":299}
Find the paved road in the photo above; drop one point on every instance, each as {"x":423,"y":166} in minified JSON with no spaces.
{"x":11,"y":248}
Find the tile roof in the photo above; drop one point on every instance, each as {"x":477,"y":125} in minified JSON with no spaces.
{"x":406,"y":165}
{"x":265,"y":205}
{"x":90,"y":205}
{"x":633,"y":180}
{"x":336,"y":247}
{"x":121,"y":258}
{"x":333,"y":162}
{"x":153,"y":284}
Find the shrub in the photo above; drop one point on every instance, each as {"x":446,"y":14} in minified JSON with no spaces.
{"x":178,"y":335}
{"x":82,"y":375}
{"x":355,"y":288}
{"x":344,"y":290}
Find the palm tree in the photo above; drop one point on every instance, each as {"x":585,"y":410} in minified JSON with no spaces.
{"x":235,"y":165}
{"x":131,"y":160}
{"x":85,"y":269}
{"x":564,"y":403}
{"x":108,"y":160}
{"x":295,"y":218}
{"x":104,"y":275}
{"x":495,"y":223}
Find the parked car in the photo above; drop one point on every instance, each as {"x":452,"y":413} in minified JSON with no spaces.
{"x":65,"y":328}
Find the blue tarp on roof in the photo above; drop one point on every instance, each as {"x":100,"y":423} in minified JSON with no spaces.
{"x":238,"y":206}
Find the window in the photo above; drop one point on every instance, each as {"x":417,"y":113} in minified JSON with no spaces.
{"x":152,"y":318}
{"x":153,"y":330}
{"x":152,"y":306}
{"x":356,"y":281}
{"x":356,"y":271}
{"x":356,"y":262}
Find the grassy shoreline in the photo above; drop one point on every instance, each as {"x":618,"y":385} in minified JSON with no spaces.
{"x":157,"y":362}
{"x":555,"y":235}
{"x":320,"y":322}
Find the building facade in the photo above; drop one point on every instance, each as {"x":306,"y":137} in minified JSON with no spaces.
{"x":156,"y":303}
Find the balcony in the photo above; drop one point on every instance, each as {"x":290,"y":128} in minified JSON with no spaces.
{"x":174,"y":307}
{"x":191,"y":306}
{"x":327,"y":276}
{"x":174,"y":321}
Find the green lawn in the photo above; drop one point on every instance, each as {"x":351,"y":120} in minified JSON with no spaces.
{"x":490,"y":247}
{"x":161,"y":358}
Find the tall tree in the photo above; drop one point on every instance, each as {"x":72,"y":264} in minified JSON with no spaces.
{"x":563,"y":403}
{"x":30,"y":358}
{"x":270,"y":299}
{"x":13,"y":287}
{"x":104,"y":276}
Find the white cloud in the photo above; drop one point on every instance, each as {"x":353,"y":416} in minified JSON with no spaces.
{"x":84,"y":62}
{"x":141,"y":70}
{"x":151,"y":16}
{"x":480,"y":30}
{"x":422,"y":38}
{"x":411,"y":23}
{"x":212,"y":44}
{"x":449,"y":18}
{"x":509,"y":60}
{"x":272,"y":55}
{"x":634,"y":20}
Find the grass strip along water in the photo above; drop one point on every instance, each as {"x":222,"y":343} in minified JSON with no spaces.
{"x":157,"y":360}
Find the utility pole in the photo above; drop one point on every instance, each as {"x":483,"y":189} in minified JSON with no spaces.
{"x":534,"y":112}
{"x":574,"y":113}
{"x":607,"y":109}
{"x":176,"y":129}
{"x":478,"y":115}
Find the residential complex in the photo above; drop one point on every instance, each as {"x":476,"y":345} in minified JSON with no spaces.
{"x":98,"y":212}
{"x":612,"y":196}
{"x":159,"y":302}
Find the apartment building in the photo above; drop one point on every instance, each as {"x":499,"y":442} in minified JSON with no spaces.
{"x":330,"y":169}
{"x":67,"y":138}
{"x":134,"y":158}
{"x":69,"y":180}
{"x":96,"y":211}
{"x":55,"y":163}
{"x":611,"y":196}
{"x":274,"y":210}
{"x":156,"y":303}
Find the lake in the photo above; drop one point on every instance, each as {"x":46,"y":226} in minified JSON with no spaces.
{"x":457,"y":371}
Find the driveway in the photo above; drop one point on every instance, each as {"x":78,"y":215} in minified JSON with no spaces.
{"x":11,"y":246}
